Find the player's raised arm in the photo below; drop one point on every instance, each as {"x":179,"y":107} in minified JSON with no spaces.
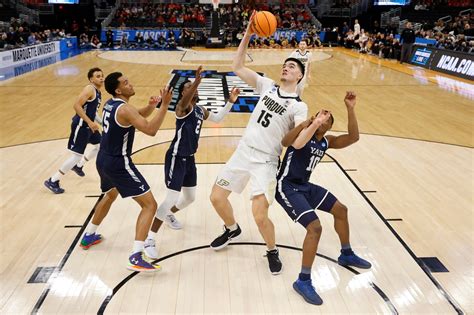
{"x":147,"y":110}
{"x":129,"y":115}
{"x":352,"y":136}
{"x":306,"y":134}
{"x":185,"y":102}
{"x":249,"y":76}
{"x":86,"y":94}
{"x":217,"y":117}
{"x":291,"y":136}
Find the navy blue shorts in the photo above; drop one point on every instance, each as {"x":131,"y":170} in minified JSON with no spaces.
{"x":180,"y":171}
{"x":300,"y":202}
{"x":81,"y":136}
{"x":120,"y":172}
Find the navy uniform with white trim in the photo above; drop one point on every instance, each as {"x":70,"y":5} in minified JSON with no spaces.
{"x":114,"y":163}
{"x":295,"y":193}
{"x":81,"y":134}
{"x":180,"y":166}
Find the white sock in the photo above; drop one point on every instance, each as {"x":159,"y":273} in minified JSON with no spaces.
{"x":151,"y":235}
{"x":138,"y":246}
{"x":56,"y":176}
{"x":91,"y":228}
{"x":66,"y":167}
{"x":82,"y":162}
{"x":273,"y":248}
{"x":233,"y":227}
{"x":89,"y":156}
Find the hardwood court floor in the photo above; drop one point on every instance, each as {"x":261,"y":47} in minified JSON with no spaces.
{"x":413,"y":162}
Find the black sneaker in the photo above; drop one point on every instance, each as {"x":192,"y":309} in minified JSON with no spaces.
{"x":53,"y":186}
{"x":224,"y":239}
{"x":274,"y":262}
{"x":78,"y":170}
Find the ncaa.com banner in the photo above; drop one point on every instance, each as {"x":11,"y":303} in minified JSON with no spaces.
{"x":447,"y":61}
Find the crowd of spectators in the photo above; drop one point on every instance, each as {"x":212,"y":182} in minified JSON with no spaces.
{"x":20,"y":34}
{"x":428,"y":4}
{"x":457,"y":35}
{"x":288,"y":16}
{"x":159,"y":15}
{"x":233,"y":16}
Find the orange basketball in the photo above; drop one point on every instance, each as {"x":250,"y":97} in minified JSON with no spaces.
{"x":264,"y":23}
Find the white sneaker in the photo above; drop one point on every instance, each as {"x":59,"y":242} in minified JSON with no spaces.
{"x":150,"y":248}
{"x":172,"y":222}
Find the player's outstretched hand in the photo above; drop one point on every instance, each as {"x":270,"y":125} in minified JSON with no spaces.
{"x":322,"y":116}
{"x":166,"y":96}
{"x":350,"y":99}
{"x":250,"y":29}
{"x":234,"y":94}
{"x":154,"y":100}
{"x":199,"y":72}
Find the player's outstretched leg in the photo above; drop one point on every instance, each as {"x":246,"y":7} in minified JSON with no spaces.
{"x":137,"y":260}
{"x":303,"y":285}
{"x":219,"y":198}
{"x":267,"y":230}
{"x":341,"y":225}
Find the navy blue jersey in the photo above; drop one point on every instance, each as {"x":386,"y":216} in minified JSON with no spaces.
{"x":90,"y":107}
{"x":297,"y":165}
{"x":188,"y":129}
{"x":116,"y":140}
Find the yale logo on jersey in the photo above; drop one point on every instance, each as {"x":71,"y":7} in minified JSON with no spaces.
{"x":273,"y":106}
{"x":199,"y":115}
{"x":108,"y":107}
{"x":317,"y":152}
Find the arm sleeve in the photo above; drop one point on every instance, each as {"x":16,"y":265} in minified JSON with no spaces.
{"x":217,"y":117}
{"x":263,"y":84}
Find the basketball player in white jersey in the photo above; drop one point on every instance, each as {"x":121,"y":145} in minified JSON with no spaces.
{"x":278,"y":111}
{"x":84,"y":130}
{"x":303,"y":55}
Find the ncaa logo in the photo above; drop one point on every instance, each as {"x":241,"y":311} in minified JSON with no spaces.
{"x":214,"y":90}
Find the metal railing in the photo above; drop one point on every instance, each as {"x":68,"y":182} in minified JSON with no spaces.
{"x":314,"y":20}
{"x":446,"y":19}
{"x":391,"y":17}
{"x":111,"y":15}
{"x":465,"y":12}
{"x":26,"y":14}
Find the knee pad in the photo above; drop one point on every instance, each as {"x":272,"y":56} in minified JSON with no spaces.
{"x":188,"y":195}
{"x":165,"y":207}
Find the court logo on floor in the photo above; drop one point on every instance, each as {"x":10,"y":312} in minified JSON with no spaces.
{"x":214,"y":90}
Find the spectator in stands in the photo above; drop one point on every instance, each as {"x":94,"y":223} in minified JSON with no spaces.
{"x":161,"y":42}
{"x":3,"y":41}
{"x":349,"y":40}
{"x":362,"y":41}
{"x":171,"y":41}
{"x":32,"y":39}
{"x":124,"y":41}
{"x":109,"y":39}
{"x":139,"y":40}
{"x":407,"y":38}
{"x":95,"y":42}
{"x":84,"y":41}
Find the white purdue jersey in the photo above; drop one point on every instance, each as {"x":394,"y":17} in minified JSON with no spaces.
{"x":304,"y":58}
{"x":275,"y":114}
